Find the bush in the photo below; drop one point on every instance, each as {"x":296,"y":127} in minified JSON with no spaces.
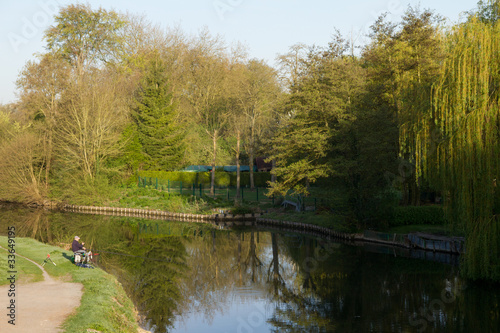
{"x":222,"y":178}
{"x":406,"y":215}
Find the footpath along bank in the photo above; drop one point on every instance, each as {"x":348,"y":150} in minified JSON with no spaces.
{"x":62,"y":297}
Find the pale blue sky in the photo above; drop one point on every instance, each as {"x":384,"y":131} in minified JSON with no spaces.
{"x":267,"y":27}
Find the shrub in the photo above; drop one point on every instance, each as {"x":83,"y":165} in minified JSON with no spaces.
{"x":222,"y":178}
{"x":406,"y":215}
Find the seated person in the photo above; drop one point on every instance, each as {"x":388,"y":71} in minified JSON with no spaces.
{"x":77,"y":247}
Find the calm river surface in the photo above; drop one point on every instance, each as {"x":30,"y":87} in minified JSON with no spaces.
{"x":186,"y":277}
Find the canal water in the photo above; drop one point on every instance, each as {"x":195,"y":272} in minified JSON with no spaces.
{"x":188,"y":277}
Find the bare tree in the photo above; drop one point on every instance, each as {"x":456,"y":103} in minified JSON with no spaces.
{"x":207,"y":67}
{"x":95,"y":112}
{"x":41,"y":87}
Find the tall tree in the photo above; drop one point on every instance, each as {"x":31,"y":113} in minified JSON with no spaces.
{"x":308,"y":145}
{"x":207,"y":66}
{"x":466,"y":109}
{"x":85,"y":37}
{"x":488,"y":11}
{"x":259,"y":93}
{"x":403,"y":61}
{"x":42,"y":86}
{"x":94,"y":115}
{"x":23,"y":164}
{"x":155,"y":115}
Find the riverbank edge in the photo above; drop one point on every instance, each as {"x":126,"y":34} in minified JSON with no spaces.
{"x":259,"y":219}
{"x":121,"y":314}
{"x":230,"y":220}
{"x":250,"y":219}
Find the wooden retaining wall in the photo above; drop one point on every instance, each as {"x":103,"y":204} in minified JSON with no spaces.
{"x":159,"y":214}
{"x":306,"y":227}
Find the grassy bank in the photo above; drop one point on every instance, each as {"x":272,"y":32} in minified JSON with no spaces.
{"x":104,"y":305}
{"x":333,"y":211}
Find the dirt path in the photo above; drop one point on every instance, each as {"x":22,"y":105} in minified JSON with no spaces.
{"x":40,"y":306}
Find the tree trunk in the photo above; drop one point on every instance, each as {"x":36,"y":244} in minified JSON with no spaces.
{"x":251,"y":155}
{"x":238,"y":140}
{"x":239,"y":261}
{"x":252,"y":183}
{"x":276,"y":264}
{"x":273,"y":176}
{"x":212,"y":181}
{"x":48,"y":156}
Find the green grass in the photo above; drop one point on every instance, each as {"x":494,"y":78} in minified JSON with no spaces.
{"x":327,"y":200}
{"x":104,"y":305}
{"x":26,"y":271}
{"x":150,"y":198}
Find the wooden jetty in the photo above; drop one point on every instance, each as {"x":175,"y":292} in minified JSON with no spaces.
{"x":437,"y":243}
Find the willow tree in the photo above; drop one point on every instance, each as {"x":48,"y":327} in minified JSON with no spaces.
{"x":465,"y":161}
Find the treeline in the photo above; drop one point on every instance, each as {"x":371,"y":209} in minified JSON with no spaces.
{"x":414,"y":111}
{"x":114,"y":94}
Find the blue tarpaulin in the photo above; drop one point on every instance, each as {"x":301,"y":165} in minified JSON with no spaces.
{"x":198,"y":168}
{"x":227,"y":168}
{"x":243,"y":168}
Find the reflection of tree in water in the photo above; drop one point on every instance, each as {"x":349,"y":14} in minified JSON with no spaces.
{"x":34,"y":224}
{"x":297,"y":309}
{"x":154,"y":269}
{"x":347,"y":290}
{"x":252,"y":261}
{"x":57,"y":228}
{"x":220,"y":261}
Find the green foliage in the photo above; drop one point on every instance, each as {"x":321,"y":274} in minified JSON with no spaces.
{"x":241,"y":210}
{"x":154,"y":115}
{"x":83,"y":191}
{"x":222,"y":178}
{"x":162,"y":200}
{"x":133,"y":156}
{"x":415,"y":215}
{"x":461,"y":141}
{"x":488,"y":11}
{"x":155,"y":271}
{"x":84,"y":36}
{"x":310,"y":143}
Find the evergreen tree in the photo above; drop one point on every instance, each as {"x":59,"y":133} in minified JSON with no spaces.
{"x":155,"y":115}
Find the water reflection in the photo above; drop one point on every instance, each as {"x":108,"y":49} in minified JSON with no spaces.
{"x":187,"y":277}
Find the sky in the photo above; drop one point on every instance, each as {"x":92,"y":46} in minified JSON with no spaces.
{"x":266,"y":27}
